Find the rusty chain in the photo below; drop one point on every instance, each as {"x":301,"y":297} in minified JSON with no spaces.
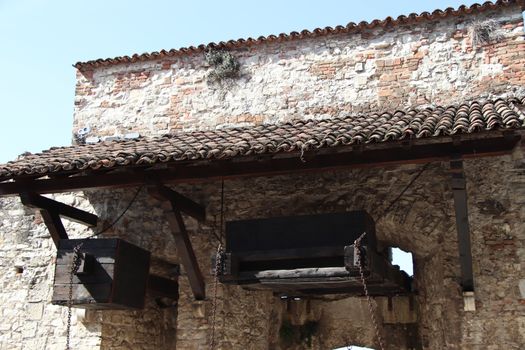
{"x":218,"y":268}
{"x":75,"y":264}
{"x":371,"y":308}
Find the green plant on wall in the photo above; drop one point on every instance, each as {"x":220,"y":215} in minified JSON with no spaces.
{"x":224,"y":66}
{"x":485,"y":32}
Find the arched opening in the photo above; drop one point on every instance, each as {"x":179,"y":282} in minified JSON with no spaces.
{"x":353,"y":347}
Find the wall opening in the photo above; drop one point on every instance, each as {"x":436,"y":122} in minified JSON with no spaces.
{"x":353,"y":347}
{"x":404,"y":260}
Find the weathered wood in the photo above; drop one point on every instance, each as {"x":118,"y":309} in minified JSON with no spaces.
{"x":328,"y":159}
{"x":185,"y":250}
{"x":117,"y":279}
{"x":459,"y":191}
{"x":280,"y":254}
{"x":54,"y":225}
{"x":82,"y":293}
{"x":183,"y":203}
{"x":300,"y":232}
{"x":163,"y":287}
{"x":34,"y":200}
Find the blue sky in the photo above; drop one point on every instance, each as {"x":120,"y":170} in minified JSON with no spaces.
{"x":41,"y":39}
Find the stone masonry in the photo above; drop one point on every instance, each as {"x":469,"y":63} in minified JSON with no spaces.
{"x":434,"y":62}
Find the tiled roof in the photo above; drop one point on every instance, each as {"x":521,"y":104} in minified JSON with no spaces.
{"x":299,"y":136}
{"x":349,"y":28}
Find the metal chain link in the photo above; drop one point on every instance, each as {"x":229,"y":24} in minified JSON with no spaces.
{"x":75,"y":264}
{"x":218,"y":268}
{"x":371,"y":308}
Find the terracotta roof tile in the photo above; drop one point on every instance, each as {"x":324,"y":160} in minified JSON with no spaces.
{"x":298,"y":136}
{"x":349,"y":28}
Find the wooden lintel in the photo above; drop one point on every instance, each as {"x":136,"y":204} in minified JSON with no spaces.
{"x":163,"y":287}
{"x":183,"y":203}
{"x":34,"y":200}
{"x":54,"y":225}
{"x":186,"y":253}
{"x":341,"y":157}
{"x":459,"y":189}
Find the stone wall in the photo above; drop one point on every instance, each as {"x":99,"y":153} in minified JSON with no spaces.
{"x":429,"y":63}
{"x":421,"y":222}
{"x":434,"y":62}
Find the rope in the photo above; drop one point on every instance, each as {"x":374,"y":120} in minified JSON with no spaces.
{"x":402,"y":192}
{"x":118,"y":217}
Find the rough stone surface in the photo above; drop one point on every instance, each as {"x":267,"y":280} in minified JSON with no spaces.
{"x":433,"y":63}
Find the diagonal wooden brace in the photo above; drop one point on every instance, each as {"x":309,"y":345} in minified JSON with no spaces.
{"x":459,"y":190}
{"x":51,"y":212}
{"x":180,"y":204}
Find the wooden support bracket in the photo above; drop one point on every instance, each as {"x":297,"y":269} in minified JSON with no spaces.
{"x":180,"y":204}
{"x":459,"y":190}
{"x":163,"y":287}
{"x":51,"y":212}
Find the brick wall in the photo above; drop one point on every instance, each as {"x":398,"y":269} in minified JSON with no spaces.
{"x":432,"y":62}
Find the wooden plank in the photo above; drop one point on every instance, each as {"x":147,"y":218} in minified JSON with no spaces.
{"x":183,"y":203}
{"x":299,"y":232}
{"x":90,"y":244}
{"x":286,"y":254}
{"x":34,"y":200}
{"x":329,"y":159}
{"x":462,"y":226}
{"x":54,"y":225}
{"x":185,"y":250}
{"x":102,"y":273}
{"x":131,"y":275}
{"x":82,"y":293}
{"x":163,"y":287}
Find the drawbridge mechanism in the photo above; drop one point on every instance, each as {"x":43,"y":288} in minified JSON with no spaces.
{"x":312,"y":254}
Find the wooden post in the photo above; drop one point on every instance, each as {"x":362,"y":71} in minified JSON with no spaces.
{"x":459,"y":190}
{"x":180,"y":203}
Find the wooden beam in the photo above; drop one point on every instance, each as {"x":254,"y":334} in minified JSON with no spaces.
{"x":267,"y":165}
{"x":183,"y":203}
{"x":54,"y":225}
{"x":163,"y":287}
{"x":459,"y":190}
{"x":34,"y":200}
{"x":185,"y":250}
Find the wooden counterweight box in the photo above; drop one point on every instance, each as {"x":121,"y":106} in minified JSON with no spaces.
{"x":308,"y":254}
{"x":113,"y":274}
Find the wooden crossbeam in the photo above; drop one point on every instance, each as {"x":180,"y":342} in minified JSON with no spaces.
{"x":34,"y":200}
{"x":51,"y":212}
{"x":183,"y":203}
{"x":180,"y":235}
{"x":267,"y":165}
{"x":459,"y":189}
{"x":163,"y":287}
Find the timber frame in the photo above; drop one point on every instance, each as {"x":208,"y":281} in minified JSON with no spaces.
{"x":453,"y":149}
{"x":359,"y":156}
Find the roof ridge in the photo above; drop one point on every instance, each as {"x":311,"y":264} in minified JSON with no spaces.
{"x":350,"y":27}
